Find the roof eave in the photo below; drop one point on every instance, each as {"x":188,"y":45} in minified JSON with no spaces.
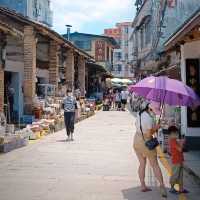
{"x":183,"y":30}
{"x":44,"y":30}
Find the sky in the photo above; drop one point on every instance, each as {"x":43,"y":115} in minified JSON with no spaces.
{"x":90,"y":16}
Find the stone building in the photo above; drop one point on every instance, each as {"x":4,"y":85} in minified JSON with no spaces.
{"x":153,"y":24}
{"x":31,"y":53}
{"x":187,"y":40}
{"x":98,"y":46}
{"x":101,"y":49}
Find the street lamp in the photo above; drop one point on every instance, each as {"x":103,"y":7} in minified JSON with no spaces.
{"x":68,"y":31}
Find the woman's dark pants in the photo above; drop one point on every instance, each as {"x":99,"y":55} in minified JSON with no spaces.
{"x":69,"y":122}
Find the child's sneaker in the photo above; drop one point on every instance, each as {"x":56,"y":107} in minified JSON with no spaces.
{"x":173,"y":191}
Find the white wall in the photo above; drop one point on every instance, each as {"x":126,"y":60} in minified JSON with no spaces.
{"x":188,"y":51}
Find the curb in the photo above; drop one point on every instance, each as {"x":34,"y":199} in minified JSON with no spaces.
{"x":193,"y":174}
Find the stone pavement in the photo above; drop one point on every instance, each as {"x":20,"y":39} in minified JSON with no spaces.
{"x":99,"y":165}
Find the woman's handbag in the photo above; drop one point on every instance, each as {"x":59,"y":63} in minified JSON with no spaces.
{"x":150,"y":144}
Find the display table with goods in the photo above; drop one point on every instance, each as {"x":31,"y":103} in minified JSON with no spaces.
{"x":18,"y":139}
{"x":84,"y":109}
{"x":10,"y":138}
{"x":51,"y":118}
{"x":9,"y":143}
{"x":46,"y":126}
{"x":47,"y":118}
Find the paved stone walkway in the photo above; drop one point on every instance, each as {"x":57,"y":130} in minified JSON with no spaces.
{"x":99,"y":165}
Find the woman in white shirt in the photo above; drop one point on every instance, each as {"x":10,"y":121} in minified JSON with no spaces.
{"x":143,"y":153}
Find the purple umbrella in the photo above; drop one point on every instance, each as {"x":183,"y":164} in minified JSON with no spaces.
{"x":165,"y":90}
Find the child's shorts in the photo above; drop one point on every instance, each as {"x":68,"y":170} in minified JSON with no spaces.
{"x":177,"y":174}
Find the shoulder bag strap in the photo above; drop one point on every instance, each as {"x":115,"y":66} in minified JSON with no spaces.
{"x":141,"y":127}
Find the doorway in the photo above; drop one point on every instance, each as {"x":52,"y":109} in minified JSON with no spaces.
{"x":12,"y":105}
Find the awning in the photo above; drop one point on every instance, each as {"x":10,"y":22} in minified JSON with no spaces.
{"x":93,"y":67}
{"x":121,"y":81}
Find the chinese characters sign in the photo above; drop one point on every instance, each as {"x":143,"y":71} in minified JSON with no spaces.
{"x":100,"y":51}
{"x":193,"y":80}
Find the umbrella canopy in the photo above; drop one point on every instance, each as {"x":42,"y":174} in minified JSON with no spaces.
{"x":165,"y":90}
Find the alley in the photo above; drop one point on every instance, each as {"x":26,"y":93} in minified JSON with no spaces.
{"x":99,"y":164}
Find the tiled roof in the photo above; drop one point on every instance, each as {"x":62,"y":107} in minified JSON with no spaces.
{"x":41,"y":28}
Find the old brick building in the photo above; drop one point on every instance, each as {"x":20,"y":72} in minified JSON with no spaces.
{"x":32,"y":53}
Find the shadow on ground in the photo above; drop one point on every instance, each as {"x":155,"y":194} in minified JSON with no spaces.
{"x":64,"y":140}
{"x":136,"y":194}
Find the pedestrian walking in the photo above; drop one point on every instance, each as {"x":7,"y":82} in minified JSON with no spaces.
{"x":176,"y":146}
{"x":113,"y":100}
{"x":118,"y":100}
{"x":145,"y":129}
{"x":70,"y":106}
{"x":124,"y":98}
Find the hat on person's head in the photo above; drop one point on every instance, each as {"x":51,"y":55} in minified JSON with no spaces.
{"x":144,"y":105}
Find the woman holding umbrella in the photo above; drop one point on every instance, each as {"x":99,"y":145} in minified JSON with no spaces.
{"x":145,"y":129}
{"x":165,"y":91}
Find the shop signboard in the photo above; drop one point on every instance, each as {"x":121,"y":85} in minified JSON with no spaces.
{"x":193,"y":80}
{"x":100,"y":50}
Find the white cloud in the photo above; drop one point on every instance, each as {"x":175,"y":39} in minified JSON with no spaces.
{"x":79,"y":13}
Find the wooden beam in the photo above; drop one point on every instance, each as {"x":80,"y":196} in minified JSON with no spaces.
{"x":17,"y":22}
{"x":10,"y":30}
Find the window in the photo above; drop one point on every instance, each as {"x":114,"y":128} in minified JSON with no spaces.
{"x":126,"y":43}
{"x":126,"y":30}
{"x":126,"y":56}
{"x":119,"y":68}
{"x":142,"y":38}
{"x":39,"y":10}
{"x":118,"y":56}
{"x":119,"y":42}
{"x":86,"y":45}
{"x":147,"y":33}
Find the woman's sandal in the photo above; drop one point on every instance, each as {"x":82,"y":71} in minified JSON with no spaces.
{"x":184,"y":191}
